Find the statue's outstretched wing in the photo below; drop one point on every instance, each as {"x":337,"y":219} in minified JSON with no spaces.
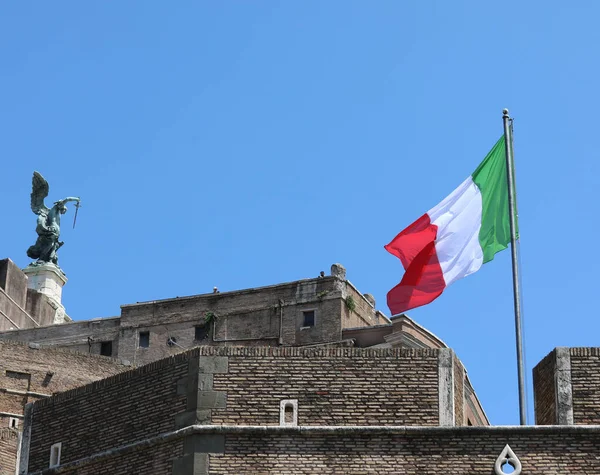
{"x":39,"y":191}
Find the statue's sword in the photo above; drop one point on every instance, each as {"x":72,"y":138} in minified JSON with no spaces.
{"x":77,"y":205}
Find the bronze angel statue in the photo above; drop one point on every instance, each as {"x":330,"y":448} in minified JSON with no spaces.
{"x":48,"y":222}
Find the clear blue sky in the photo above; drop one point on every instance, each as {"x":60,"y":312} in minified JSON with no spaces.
{"x":239,"y":144}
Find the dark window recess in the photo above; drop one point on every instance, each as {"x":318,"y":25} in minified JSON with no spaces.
{"x":106,"y":348}
{"x":171,"y":341}
{"x":309,"y":318}
{"x":144,"y":340}
{"x":17,"y":375}
{"x":200,"y":332}
{"x":288,"y":414}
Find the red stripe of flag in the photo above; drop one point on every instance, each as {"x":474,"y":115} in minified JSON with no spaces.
{"x":423,"y":280}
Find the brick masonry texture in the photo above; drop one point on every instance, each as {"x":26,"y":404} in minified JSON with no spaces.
{"x":239,"y":385}
{"x":244,"y":317}
{"x":333,"y":386}
{"x":157,"y":461}
{"x":544,"y":390}
{"x":9,"y":441}
{"x":585,"y":381}
{"x":265,"y":316}
{"x":459,"y":392}
{"x":466,"y":451}
{"x":82,"y":336}
{"x":27,"y":369}
{"x":251,"y":317}
{"x":337,"y":389}
{"x":40,"y":371}
{"x":363,"y":312}
{"x":585,"y":387}
{"x":124,"y":408}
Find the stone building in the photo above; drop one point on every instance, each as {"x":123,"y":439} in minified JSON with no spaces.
{"x":305,"y":312}
{"x":30,"y":373}
{"x":265,"y":410}
{"x":299,"y":377}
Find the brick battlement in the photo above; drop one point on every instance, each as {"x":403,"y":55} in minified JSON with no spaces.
{"x":117,"y":378}
{"x":316,"y":352}
{"x":229,"y":351}
{"x":567,"y":387}
{"x":585,"y":351}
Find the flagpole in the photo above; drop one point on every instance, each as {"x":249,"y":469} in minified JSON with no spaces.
{"x":515,"y":265}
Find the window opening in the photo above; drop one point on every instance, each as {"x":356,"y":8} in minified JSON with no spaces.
{"x":17,"y":374}
{"x":288,"y":412}
{"x":55,"y":455}
{"x":200,"y":332}
{"x":144,"y":340}
{"x":106,"y":348}
{"x":309,"y":318}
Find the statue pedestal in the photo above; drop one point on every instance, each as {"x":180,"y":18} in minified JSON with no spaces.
{"x":49,"y":280}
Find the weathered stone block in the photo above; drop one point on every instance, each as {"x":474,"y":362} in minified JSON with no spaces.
{"x":212,"y":400}
{"x":213,"y":364}
{"x":191,"y":464}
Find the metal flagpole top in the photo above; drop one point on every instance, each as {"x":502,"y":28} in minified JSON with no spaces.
{"x":504,"y":112}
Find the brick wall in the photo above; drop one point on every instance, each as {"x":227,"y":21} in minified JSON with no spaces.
{"x":238,"y":385}
{"x":357,"y":311}
{"x":355,"y":451}
{"x":9,"y":441}
{"x":585,"y":380}
{"x":566,"y":387}
{"x":471,"y":451}
{"x":73,"y":335}
{"x":474,"y":413}
{"x":27,"y":373}
{"x":264,"y":316}
{"x":127,"y":407}
{"x":247,"y":317}
{"x":156,"y":461}
{"x":459,"y":392}
{"x":544,"y":390}
{"x":45,"y":371}
{"x":333,"y":386}
{"x":223,"y":385}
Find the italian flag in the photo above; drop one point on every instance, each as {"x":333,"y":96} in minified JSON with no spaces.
{"x":456,"y":237}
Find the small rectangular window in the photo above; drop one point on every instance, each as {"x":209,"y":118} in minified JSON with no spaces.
{"x":144,"y":340}
{"x":106,"y":348}
{"x":17,"y":375}
{"x":309,"y":318}
{"x":55,"y":455}
{"x":288,"y":412}
{"x":200,"y":332}
{"x":13,"y":422}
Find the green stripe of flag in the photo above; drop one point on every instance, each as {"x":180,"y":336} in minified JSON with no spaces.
{"x":490,"y":178}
